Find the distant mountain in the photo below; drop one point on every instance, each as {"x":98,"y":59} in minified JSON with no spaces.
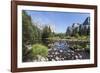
{"x":87,"y":21}
{"x":81,"y":29}
{"x":75,"y":25}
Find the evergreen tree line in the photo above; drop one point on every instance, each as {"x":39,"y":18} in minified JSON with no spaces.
{"x":31,"y":34}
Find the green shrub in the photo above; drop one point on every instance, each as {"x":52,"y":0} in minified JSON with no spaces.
{"x":39,"y":49}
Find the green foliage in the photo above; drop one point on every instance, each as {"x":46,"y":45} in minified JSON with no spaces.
{"x":60,"y":35}
{"x":77,"y":46}
{"x":26,"y":35}
{"x":26,"y":28}
{"x":38,"y":49}
{"x":30,"y":34}
{"x":46,"y":34}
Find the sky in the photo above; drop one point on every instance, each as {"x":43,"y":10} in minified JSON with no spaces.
{"x":58,"y":20}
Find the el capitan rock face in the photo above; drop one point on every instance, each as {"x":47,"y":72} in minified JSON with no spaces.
{"x":77,"y":27}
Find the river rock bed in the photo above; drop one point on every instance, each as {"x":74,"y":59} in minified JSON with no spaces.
{"x":61,"y":51}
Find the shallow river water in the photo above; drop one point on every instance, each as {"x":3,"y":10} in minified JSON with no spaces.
{"x":61,"y":51}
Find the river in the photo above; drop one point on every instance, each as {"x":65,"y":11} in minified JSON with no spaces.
{"x":60,"y":50}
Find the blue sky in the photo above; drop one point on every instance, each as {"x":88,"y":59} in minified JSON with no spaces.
{"x":61,"y":20}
